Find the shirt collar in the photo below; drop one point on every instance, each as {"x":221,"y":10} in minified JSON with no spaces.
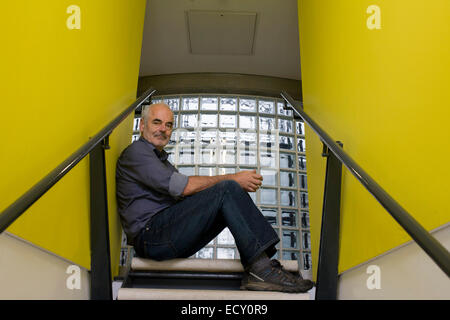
{"x":162,"y":155}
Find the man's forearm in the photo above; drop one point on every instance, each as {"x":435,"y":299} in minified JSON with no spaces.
{"x":199,"y":183}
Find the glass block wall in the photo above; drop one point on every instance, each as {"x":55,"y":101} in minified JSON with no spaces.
{"x":220,"y":134}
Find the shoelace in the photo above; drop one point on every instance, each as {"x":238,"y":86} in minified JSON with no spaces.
{"x":277,"y":265}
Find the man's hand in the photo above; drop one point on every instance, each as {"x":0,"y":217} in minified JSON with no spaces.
{"x":250,"y":181}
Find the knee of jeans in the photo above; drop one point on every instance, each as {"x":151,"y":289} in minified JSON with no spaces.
{"x":231,"y":185}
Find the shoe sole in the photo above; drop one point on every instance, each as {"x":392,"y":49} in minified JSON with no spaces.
{"x":264,"y":286}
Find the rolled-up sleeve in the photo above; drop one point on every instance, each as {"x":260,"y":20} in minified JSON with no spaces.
{"x":177,"y":183}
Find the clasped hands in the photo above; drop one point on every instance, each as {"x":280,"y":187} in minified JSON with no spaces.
{"x":250,"y":181}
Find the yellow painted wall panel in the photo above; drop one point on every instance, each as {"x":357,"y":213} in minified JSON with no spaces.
{"x":384,"y":94}
{"x":60,"y":86}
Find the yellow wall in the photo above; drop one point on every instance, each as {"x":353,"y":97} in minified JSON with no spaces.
{"x":60,"y":86}
{"x":385,"y":94}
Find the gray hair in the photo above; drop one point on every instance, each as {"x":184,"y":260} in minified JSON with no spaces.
{"x":144,"y":113}
{"x":146,"y":110}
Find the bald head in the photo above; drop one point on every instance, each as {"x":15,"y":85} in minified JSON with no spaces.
{"x":157,"y":124}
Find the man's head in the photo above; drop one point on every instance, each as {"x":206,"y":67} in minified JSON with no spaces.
{"x":157,"y":124}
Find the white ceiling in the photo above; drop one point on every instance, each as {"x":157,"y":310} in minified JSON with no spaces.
{"x":166,"y":45}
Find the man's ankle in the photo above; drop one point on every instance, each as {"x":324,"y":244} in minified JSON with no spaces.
{"x":261,"y":262}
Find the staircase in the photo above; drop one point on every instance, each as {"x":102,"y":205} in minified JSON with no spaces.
{"x":195,"y":279}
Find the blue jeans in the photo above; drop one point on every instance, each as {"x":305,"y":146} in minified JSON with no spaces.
{"x":184,"y":228}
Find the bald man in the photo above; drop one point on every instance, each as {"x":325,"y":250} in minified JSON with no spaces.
{"x":168,"y":215}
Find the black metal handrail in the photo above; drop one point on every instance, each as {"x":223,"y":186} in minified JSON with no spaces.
{"x":16,"y":209}
{"x":424,"y":239}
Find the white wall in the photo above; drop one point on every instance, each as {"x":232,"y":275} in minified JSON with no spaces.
{"x":405,"y":273}
{"x":28,"y":272}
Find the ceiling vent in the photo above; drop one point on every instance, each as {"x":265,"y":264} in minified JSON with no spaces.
{"x":220,"y":32}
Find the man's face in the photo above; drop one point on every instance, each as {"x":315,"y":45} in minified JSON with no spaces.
{"x":159,"y":126}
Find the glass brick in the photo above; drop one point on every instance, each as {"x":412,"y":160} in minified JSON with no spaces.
{"x":136,"y":123}
{"x":186,"y":156}
{"x":225,"y":253}
{"x":301,"y":147}
{"x":306,"y":240}
{"x":247,"y":105}
{"x":304,"y":203}
{"x":290,"y":239}
{"x":227,"y":138}
{"x":190,"y":103}
{"x":247,"y":138}
{"x":188,"y":171}
{"x":282,"y":111}
{"x":267,"y":140}
{"x":135,"y":137}
{"x":269,"y":177}
{"x":300,"y":127}
{"x":208,"y":103}
{"x":307,"y":261}
{"x":303,"y":181}
{"x":208,"y":137}
{"x":171,"y":155}
{"x":226,"y":170}
{"x":252,"y":196}
{"x":228,"y":104}
{"x":208,"y":156}
{"x":290,"y":255}
{"x":285,"y":125}
{"x":207,"y":171}
{"x":247,"y":122}
{"x":288,"y":198}
{"x":268,"y":159}
{"x":287,"y":161}
{"x":225,"y":237}
{"x":175,"y":121}
{"x":227,"y":121}
{"x":227,"y":156}
{"x":208,"y":120}
{"x":205,"y":253}
{"x":265,"y":106}
{"x":288,"y":179}
{"x":156,"y":100}
{"x":289,"y":218}
{"x":286,"y":143}
{"x":301,"y":163}
{"x":268,"y":196}
{"x":187,"y":137}
{"x":305,"y":220}
{"x":271,"y":215}
{"x":173,"y":103}
{"x":266,"y":124}
{"x":247,"y":157}
{"x":189,"y":121}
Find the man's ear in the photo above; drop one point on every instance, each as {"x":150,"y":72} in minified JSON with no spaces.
{"x":141,"y":125}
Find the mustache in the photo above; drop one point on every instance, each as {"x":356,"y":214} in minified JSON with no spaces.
{"x":160,"y":134}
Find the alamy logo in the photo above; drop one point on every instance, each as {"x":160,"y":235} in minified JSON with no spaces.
{"x":374,"y":281}
{"x":74,"y":20}
{"x":374,"y":21}
{"x":74,"y":280}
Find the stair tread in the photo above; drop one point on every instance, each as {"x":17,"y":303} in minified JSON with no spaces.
{"x":192,"y":294}
{"x":197,"y":265}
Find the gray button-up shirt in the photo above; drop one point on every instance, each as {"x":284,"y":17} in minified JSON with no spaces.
{"x":146,"y":183}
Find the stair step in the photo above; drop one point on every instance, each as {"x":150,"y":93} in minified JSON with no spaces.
{"x":184,"y":294}
{"x":200,"y":265}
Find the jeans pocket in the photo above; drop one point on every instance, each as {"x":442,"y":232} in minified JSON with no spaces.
{"x":160,"y":251}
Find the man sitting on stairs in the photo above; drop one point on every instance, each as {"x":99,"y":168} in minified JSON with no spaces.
{"x":168,"y":215}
